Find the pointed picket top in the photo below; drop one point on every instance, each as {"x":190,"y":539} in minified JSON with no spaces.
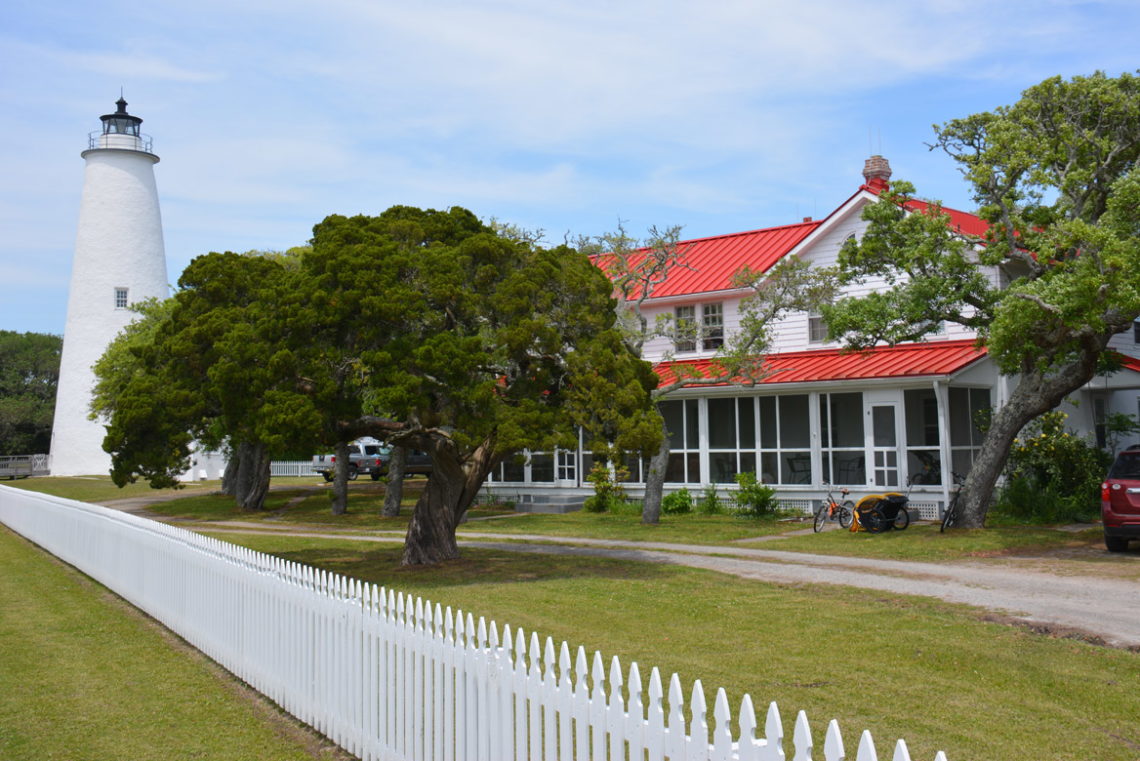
{"x":565,"y":679}
{"x":940,"y":756}
{"x":482,"y":633}
{"x":548,"y":663}
{"x":399,"y":609}
{"x":535,"y":655}
{"x":420,"y":625}
{"x":636,"y":707}
{"x":722,"y":732}
{"x":493,"y":639}
{"x":656,"y":693}
{"x":746,"y":721}
{"x":430,"y":620}
{"x":520,"y":652}
{"x":366,"y":597}
{"x":460,"y":632}
{"x":833,"y":742}
{"x":580,"y":670}
{"x":802,"y":742}
{"x":448,"y":626}
{"x":698,"y":725}
{"x":471,"y":632}
{"x":392,"y":601}
{"x":616,"y":679}
{"x":437,"y":620}
{"x":598,"y":671}
{"x":866,"y":748}
{"x":676,"y":701}
{"x":901,"y":752}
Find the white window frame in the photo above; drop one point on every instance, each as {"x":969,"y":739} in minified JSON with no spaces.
{"x":122,"y":298}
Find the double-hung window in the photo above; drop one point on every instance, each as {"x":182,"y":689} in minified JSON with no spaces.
{"x":701,"y":326}
{"x":685,"y":328}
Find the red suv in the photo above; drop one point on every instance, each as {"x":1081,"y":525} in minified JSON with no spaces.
{"x":1120,"y":501}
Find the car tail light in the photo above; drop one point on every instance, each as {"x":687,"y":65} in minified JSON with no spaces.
{"x":1104,"y":492}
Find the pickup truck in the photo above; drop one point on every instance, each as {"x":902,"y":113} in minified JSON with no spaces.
{"x":370,"y":456}
{"x":364,"y":456}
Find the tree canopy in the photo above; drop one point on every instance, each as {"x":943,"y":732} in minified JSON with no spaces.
{"x":1054,"y":278}
{"x":426,"y":328}
{"x":29,"y":374}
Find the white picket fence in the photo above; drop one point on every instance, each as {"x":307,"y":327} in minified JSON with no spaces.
{"x":388,"y":676}
{"x":292,"y":468}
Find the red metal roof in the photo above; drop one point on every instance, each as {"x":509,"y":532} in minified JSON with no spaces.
{"x":711,"y":262}
{"x":902,"y":361}
{"x":962,"y":221}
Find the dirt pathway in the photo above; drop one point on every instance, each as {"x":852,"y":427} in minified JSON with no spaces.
{"x":1105,"y":609}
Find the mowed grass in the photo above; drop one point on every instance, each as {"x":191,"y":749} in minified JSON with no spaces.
{"x":939,"y":675}
{"x":85,"y":676}
{"x":924,"y":542}
{"x":100,"y":488}
{"x":310,"y":505}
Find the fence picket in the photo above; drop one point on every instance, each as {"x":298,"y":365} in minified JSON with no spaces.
{"x":390,"y":676}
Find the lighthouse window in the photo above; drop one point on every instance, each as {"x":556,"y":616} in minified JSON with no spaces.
{"x":120,"y":298}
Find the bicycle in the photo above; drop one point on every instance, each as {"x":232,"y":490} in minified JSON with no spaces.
{"x":950,"y":515}
{"x":843,"y":512}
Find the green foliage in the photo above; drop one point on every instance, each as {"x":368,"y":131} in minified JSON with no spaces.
{"x":1054,"y":277}
{"x":609,"y":494}
{"x":754,"y":499}
{"x":29,"y":373}
{"x":1053,"y":475}
{"x":679,"y":502}
{"x":710,"y":502}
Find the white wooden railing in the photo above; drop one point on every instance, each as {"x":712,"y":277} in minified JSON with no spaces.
{"x":390,"y":676}
{"x":292,"y":468}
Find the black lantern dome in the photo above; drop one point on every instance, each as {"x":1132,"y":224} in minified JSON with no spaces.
{"x":120,"y":122}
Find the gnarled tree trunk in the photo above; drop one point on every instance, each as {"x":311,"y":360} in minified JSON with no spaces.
{"x":450,"y":490}
{"x":251,"y":482}
{"x":395,"y":489}
{"x":1033,"y":395}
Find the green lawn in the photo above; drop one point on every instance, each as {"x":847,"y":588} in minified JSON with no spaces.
{"x":936,"y":674}
{"x":85,"y":676}
{"x":99,"y":488}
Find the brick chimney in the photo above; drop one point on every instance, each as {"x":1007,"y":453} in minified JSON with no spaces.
{"x":877,"y":173}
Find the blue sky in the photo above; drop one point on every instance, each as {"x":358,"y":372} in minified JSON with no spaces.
{"x":560,"y":116}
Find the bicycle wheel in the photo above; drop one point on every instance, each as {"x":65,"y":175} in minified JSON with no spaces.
{"x":902,"y":520}
{"x":820,"y":518}
{"x":950,"y":515}
{"x":846,"y":512}
{"x":874,"y":521}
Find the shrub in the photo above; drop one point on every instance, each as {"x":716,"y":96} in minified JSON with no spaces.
{"x":609,"y":495}
{"x":710,"y":503}
{"x":1052,"y":476}
{"x":677,"y":503}
{"x":754,"y":499}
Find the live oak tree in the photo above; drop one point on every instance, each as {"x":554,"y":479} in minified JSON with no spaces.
{"x":29,"y":374}
{"x":193,"y":371}
{"x":483,"y":346}
{"x":1057,"y":274}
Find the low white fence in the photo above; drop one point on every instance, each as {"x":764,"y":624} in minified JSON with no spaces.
{"x":292,"y":468}
{"x":24,"y":465}
{"x":389,"y":676}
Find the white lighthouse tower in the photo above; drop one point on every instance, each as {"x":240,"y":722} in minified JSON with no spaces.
{"x":119,"y":260}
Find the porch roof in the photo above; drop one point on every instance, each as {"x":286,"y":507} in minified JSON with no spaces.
{"x":903,"y":361}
